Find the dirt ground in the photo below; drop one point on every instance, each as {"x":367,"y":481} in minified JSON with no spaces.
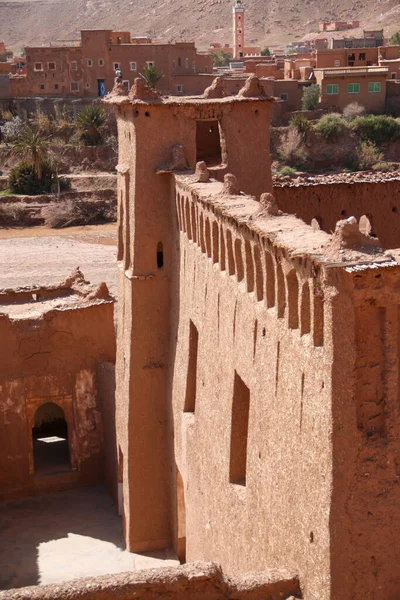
{"x":38,"y":255}
{"x":64,"y":536}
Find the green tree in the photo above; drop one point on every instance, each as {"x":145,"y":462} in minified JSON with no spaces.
{"x":151,"y":75}
{"x":265,"y":52}
{"x":310,"y":97}
{"x":90,"y":122}
{"x":395,"y":39}
{"x":33,"y":148}
{"x":221,"y":59}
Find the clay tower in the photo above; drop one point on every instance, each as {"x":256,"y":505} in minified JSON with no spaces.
{"x":238,"y":29}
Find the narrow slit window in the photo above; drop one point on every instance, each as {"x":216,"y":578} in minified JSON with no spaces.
{"x":160,"y":256}
{"x":191,"y":381}
{"x":239,"y":432}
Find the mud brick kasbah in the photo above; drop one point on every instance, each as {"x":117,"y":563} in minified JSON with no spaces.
{"x":257,"y":399}
{"x":257,"y":395}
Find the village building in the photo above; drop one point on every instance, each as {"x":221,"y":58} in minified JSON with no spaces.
{"x":86,"y":68}
{"x":56,"y":421}
{"x":341,"y":86}
{"x":338,"y":25}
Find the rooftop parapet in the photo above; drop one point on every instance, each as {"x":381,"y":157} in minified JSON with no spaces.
{"x":74,"y":292}
{"x":216,"y":92}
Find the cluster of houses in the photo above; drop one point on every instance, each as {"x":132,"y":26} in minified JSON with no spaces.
{"x":348,"y":69}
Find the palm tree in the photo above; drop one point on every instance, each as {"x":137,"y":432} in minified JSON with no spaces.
{"x":151,"y":75}
{"x":90,"y":121}
{"x":32,"y":147}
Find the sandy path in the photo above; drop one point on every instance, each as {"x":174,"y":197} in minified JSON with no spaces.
{"x":42,"y":256}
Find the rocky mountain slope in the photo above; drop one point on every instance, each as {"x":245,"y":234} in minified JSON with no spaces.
{"x":268,"y":22}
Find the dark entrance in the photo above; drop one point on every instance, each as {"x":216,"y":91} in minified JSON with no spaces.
{"x":208,"y":143}
{"x":101,"y":87}
{"x":50,"y":440}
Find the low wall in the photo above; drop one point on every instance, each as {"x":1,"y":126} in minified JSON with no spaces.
{"x":196,"y":581}
{"x":377,"y":199}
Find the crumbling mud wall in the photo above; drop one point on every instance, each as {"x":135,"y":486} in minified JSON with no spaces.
{"x":378,"y":199}
{"x":52,"y":340}
{"x":197,"y":581}
{"x":365,"y":514}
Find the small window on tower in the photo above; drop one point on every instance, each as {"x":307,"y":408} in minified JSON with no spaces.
{"x":160,"y":256}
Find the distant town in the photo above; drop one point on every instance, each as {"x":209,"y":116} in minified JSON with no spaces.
{"x":347,"y":68}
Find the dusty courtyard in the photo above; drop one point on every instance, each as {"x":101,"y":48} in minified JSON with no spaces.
{"x":38,"y":255}
{"x":63,"y":536}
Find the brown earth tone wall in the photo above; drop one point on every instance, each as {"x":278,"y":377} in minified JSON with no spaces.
{"x":364,"y":517}
{"x":145,"y":259}
{"x":197,"y":581}
{"x":256,"y":370}
{"x":51,"y":357}
{"x":232,"y":285}
{"x":328,"y":203}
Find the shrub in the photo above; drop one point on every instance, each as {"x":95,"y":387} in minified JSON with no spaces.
{"x":385,"y":167}
{"x":43,"y":124}
{"x":70,"y":213}
{"x":310,"y":97}
{"x":221,"y":59}
{"x":352,"y":111}
{"x":291,"y":148}
{"x":288,"y":171}
{"x":395,"y":39}
{"x":265,"y":52}
{"x":23,"y":180}
{"x":331,"y":126}
{"x":301,"y":123}
{"x":368,"y":155}
{"x":377,"y":128}
{"x":12,"y":129}
{"x":13,"y":215}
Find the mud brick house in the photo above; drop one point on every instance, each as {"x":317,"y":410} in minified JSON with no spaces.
{"x":86,"y":68}
{"x":257,"y":357}
{"x":56,"y":418}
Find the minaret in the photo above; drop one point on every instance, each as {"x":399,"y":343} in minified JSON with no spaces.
{"x":238,"y":29}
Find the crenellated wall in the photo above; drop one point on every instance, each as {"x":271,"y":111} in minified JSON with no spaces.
{"x":260,"y":312}
{"x":330,"y":202}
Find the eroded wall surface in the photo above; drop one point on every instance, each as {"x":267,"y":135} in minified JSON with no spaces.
{"x":52,"y":358}
{"x":328,"y":203}
{"x":258,"y":315}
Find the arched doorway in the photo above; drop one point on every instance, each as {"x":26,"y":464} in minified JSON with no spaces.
{"x":50,"y":439}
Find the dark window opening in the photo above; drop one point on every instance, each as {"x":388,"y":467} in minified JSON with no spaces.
{"x":239,"y":432}
{"x":179,"y":62}
{"x":160,"y":256}
{"x":191,"y":381}
{"x":361,"y":56}
{"x":50,"y":440}
{"x":208,"y":143}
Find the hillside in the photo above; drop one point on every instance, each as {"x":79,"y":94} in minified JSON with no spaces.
{"x":272,"y":22}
